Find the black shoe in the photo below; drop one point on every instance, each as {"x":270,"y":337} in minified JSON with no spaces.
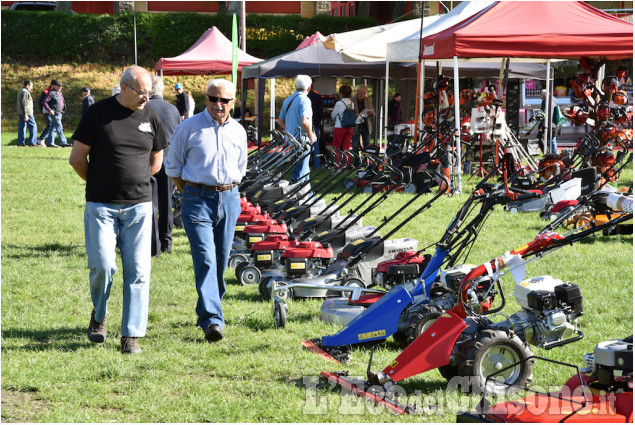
{"x":166,"y":250}
{"x":213,"y":333}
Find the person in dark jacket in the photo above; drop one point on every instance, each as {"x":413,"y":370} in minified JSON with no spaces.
{"x":316,"y":106}
{"x":394,"y":110}
{"x":55,"y":106}
{"x":181,"y":101}
{"x":162,"y":185}
{"x":87,"y":100}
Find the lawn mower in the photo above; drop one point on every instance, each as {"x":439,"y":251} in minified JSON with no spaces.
{"x":300,"y":257}
{"x":466,"y":344}
{"x":351,"y":271}
{"x":600,"y":392}
{"x":260,"y":230}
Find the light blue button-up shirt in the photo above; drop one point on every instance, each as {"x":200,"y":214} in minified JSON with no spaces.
{"x":201,"y":151}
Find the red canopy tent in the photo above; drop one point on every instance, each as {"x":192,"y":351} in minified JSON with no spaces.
{"x":531,"y":29}
{"x":534,"y":29}
{"x":211,"y":54}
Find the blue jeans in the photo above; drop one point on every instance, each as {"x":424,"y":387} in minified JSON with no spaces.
{"x":32,"y":126}
{"x":47,"y":129}
{"x":316,"y":149}
{"x":209,"y":219}
{"x":107,"y":226}
{"x":56,"y":128}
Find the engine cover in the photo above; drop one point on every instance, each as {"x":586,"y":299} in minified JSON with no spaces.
{"x":527,"y":286}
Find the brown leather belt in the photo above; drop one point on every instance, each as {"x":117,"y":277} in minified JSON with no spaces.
{"x":219,"y":188}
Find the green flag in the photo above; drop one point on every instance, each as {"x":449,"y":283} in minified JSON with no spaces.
{"x":234,"y":49}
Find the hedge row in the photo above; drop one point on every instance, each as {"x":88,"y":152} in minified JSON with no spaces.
{"x":64,"y":37}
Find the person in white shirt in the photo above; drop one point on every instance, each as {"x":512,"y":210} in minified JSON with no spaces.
{"x":342,"y":135}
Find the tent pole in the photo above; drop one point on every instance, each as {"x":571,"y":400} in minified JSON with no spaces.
{"x":457,"y":124}
{"x":384,"y":141}
{"x":272,"y":103}
{"x":547,"y":127}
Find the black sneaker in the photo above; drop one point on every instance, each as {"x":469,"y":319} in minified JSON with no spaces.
{"x":213,"y":333}
{"x":96,"y":330}
{"x":130,"y":345}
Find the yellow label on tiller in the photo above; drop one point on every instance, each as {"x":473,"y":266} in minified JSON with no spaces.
{"x":297,"y":266}
{"x":369,"y":335}
{"x":240,"y":228}
{"x":393,"y":364}
{"x":253,"y":239}
{"x":264,"y":257}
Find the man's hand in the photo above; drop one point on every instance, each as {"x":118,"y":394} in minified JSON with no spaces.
{"x":178,"y":182}
{"x":51,"y":112}
{"x":26,"y":117}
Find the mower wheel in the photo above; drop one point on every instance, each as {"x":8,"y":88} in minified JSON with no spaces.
{"x":239,"y":269}
{"x":280,"y":315}
{"x":236,"y":259}
{"x":249,"y":275}
{"x":492,"y":350}
{"x":354,"y":283}
{"x":264,"y":288}
{"x":513,"y":210}
{"x":421,"y":320}
{"x":583,"y":222}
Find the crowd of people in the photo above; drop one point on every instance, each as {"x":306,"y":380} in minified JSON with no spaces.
{"x":133,"y":147}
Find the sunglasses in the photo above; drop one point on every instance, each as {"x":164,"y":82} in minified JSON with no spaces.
{"x":215,"y":99}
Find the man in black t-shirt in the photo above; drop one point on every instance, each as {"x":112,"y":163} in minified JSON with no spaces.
{"x":118,"y":145}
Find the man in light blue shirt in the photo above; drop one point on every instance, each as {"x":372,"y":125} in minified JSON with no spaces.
{"x":207,"y":159}
{"x":296,"y":117}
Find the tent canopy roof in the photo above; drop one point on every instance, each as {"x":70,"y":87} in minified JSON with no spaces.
{"x":211,"y":54}
{"x":534,"y":29}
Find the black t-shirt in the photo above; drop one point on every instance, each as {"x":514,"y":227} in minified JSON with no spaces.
{"x":121,"y":141}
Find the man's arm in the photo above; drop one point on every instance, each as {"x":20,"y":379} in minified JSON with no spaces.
{"x":307,"y":125}
{"x":280,"y":122}
{"x":79,"y":158}
{"x":156,"y":160}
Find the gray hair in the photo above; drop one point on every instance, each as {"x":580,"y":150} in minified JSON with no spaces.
{"x":157,"y":86}
{"x":132,"y":75}
{"x":222,"y":83}
{"x":303,"y":82}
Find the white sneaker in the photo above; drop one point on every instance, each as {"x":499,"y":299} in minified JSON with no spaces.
{"x":53,"y":145}
{"x":41,"y":142}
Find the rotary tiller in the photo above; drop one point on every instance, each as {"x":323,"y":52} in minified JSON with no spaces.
{"x":464,"y":343}
{"x":602,"y":391}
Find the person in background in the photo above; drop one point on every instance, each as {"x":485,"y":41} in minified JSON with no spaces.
{"x":162,"y":186}
{"x":26,"y":117}
{"x":181,"y":101}
{"x":189,"y":104}
{"x":364,"y":109}
{"x":394,"y":110}
{"x":118,"y":145}
{"x":56,"y":107}
{"x":46,"y":115}
{"x":296,"y":117}
{"x":541,"y":127}
{"x":207,"y":160}
{"x":342,"y":135}
{"x":316,"y":107}
{"x":87,"y":100}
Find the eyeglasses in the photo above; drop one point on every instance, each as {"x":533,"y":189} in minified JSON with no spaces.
{"x":215,"y":99}
{"x":140,"y":93}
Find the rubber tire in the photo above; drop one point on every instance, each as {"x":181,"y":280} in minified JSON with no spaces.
{"x":513,"y":210}
{"x":250,"y":275}
{"x":449,"y":371}
{"x":263,"y":289}
{"x":490,"y":341}
{"x":238,"y":270}
{"x":178,"y":219}
{"x":583,"y":222}
{"x":354,"y":283}
{"x":236,"y":259}
{"x":421,"y":320}
{"x":400,"y":338}
{"x":279,"y":315}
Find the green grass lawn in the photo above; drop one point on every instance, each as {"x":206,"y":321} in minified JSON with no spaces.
{"x":51,"y":373}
